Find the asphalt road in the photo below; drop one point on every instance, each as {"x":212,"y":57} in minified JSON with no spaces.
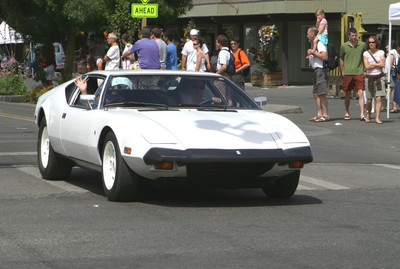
{"x":344,"y":215}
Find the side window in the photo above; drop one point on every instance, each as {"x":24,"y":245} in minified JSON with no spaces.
{"x":69,"y":90}
{"x":94,"y":85}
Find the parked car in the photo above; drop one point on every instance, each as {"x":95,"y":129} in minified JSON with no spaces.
{"x":167,"y":126}
{"x":59,"y":54}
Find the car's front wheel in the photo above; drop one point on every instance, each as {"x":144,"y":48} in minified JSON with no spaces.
{"x":283,"y":187}
{"x":119,"y":182}
{"x":51,"y":165}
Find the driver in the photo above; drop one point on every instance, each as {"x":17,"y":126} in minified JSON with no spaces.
{"x":193,"y":93}
{"x":117,"y":83}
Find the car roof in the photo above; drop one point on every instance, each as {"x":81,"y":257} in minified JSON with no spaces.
{"x":154,"y":72}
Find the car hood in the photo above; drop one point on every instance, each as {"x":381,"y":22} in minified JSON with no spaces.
{"x":211,"y":129}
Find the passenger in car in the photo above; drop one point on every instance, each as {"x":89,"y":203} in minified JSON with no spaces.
{"x":192,"y":93}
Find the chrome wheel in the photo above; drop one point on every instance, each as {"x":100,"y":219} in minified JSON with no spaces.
{"x":109,"y":165}
{"x":44,"y":148}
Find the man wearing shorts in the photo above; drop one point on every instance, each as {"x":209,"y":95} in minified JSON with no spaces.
{"x":320,"y":76}
{"x":352,"y":70}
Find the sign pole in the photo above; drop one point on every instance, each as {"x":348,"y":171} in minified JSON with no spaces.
{"x":144,"y":22}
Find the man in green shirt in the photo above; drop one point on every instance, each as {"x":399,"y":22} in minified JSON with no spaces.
{"x":352,"y":70}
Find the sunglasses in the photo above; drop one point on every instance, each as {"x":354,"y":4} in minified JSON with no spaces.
{"x":195,"y":44}
{"x":371,"y":42}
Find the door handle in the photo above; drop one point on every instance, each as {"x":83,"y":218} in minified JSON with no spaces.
{"x":64,"y":115}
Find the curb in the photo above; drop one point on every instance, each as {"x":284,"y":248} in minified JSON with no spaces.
{"x":13,"y":98}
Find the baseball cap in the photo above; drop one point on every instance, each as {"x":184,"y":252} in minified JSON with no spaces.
{"x":122,"y":81}
{"x":145,"y":31}
{"x":194,"y":32}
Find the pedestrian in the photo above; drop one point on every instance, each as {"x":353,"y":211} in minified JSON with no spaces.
{"x":320,"y":76}
{"x":352,"y":70}
{"x":112,"y":58}
{"x":374,"y":62}
{"x":242,"y":63}
{"x":392,"y":60}
{"x":172,"y":58}
{"x":322,"y":26}
{"x":126,"y":62}
{"x":93,"y":63}
{"x":200,"y":57}
{"x":189,"y":54}
{"x":223,"y":56}
{"x":147,"y":50}
{"x":162,"y":47}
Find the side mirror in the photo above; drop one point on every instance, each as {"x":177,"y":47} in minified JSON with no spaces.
{"x":261,"y":100}
{"x":88,"y":98}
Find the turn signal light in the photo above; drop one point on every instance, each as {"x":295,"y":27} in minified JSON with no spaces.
{"x":127,"y":150}
{"x":296,"y":164}
{"x":164,"y":166}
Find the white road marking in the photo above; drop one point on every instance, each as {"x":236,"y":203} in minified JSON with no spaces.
{"x":304,"y":188}
{"x":321,"y":183}
{"x":387,"y":165}
{"x":17,"y":153}
{"x":34,"y":171}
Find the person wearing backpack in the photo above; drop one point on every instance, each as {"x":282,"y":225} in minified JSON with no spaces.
{"x":225,"y":62}
{"x":242,"y":63}
{"x":223,"y":57}
{"x":320,"y":77}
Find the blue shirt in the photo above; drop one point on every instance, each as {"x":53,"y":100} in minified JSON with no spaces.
{"x":148,"y":53}
{"x":172,"y":59}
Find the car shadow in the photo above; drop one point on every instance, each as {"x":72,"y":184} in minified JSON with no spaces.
{"x":182,"y":196}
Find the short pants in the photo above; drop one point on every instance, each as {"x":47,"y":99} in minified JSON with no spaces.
{"x":351,"y":82}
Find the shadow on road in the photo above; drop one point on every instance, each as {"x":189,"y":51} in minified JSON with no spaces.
{"x":179,"y":196}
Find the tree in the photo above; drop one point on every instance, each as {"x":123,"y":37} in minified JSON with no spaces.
{"x":48,"y":21}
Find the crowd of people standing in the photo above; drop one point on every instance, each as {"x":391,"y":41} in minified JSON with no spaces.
{"x":157,"y":50}
{"x":364,"y":68}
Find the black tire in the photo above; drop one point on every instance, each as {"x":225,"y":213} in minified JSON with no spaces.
{"x":51,"y":165}
{"x":119,"y":182}
{"x":283,"y":187}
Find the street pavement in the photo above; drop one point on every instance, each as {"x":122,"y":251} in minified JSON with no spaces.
{"x":343,"y":215}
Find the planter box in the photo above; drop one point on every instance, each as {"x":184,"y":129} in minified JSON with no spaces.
{"x":273,"y":79}
{"x":257,"y":79}
{"x":270,"y":79}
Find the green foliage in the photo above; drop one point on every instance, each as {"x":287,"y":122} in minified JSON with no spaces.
{"x":36,"y":92}
{"x":12,"y":78}
{"x":121,"y":21}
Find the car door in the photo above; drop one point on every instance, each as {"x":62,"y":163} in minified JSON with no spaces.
{"x":78,"y":123}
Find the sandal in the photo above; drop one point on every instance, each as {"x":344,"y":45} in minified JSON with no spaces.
{"x":347,"y":117}
{"x":314,"y":118}
{"x":321,"y":119}
{"x":394,"y":111}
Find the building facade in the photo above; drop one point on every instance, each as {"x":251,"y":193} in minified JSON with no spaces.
{"x":243,"y":18}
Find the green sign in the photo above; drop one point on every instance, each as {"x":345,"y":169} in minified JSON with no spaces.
{"x":144,"y":10}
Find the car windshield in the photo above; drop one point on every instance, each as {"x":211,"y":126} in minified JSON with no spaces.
{"x":175,"y":91}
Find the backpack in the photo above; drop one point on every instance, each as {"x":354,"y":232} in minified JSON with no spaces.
{"x":230,"y":67}
{"x":246,"y":71}
{"x":333,"y":58}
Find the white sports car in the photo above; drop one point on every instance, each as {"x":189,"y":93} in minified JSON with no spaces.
{"x":167,"y":126}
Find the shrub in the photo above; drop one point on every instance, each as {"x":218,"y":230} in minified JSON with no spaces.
{"x":12,"y":77}
{"x":33,"y":95}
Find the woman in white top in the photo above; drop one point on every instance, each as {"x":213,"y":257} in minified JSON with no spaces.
{"x":126,"y":61}
{"x":200,"y":59}
{"x":374,"y":62}
{"x":392,"y":60}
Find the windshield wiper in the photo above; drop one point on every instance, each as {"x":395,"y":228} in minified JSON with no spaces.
{"x":137,"y":104}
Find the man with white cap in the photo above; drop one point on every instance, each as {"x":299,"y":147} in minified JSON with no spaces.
{"x":189,"y":53}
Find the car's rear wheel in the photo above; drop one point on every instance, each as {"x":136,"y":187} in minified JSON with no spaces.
{"x":51,"y":165}
{"x":119,"y":182}
{"x":283,"y":187}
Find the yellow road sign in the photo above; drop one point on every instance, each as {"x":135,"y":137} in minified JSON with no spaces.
{"x":145,"y":11}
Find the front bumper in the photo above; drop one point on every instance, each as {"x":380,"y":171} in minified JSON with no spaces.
{"x":184,"y":157}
